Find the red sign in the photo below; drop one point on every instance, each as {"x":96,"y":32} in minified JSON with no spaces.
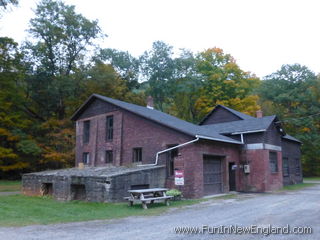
{"x":178,"y":174}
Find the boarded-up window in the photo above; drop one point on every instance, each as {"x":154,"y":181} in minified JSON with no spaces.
{"x":285,"y":166}
{"x":86,"y":158}
{"x":273,"y":162}
{"x":298,"y":170}
{"x":86,"y":131}
{"x":170,"y":159}
{"x":137,"y":155}
{"x":109,"y":156}
{"x":109,"y":128}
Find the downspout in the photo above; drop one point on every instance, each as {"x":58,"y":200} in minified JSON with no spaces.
{"x":167,"y":150}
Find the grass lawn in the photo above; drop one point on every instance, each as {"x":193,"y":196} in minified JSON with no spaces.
{"x":10,"y":186}
{"x":311,"y":178}
{"x":19,"y":210}
{"x":297,"y":186}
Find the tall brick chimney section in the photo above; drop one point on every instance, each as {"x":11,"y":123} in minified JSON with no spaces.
{"x":259,"y":114}
{"x":150,"y":102}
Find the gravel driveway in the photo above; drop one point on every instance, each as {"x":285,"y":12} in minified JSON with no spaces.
{"x":296,"y":208}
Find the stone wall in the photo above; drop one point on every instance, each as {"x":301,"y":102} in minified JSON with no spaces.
{"x":89,"y":187}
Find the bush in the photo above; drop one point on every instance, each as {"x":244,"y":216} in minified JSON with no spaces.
{"x":174,"y":192}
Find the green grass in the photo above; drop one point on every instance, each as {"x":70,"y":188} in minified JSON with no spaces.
{"x":311,"y":178}
{"x":10,"y":186}
{"x":19,"y":210}
{"x":297,"y":186}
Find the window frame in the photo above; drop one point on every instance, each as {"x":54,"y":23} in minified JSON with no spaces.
{"x":86,"y":131}
{"x":137,"y":155}
{"x":273,"y":163}
{"x":109,"y":128}
{"x":170,"y":159}
{"x":86,"y":158}
{"x":285,"y":169}
{"x":108,"y":153}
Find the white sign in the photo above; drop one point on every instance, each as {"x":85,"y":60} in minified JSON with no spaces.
{"x":179,"y":177}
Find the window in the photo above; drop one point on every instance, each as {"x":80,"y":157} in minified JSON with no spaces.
{"x":86,"y":131}
{"x":109,"y":156}
{"x":273,"y":162}
{"x":298,"y":170}
{"x":170,"y":159}
{"x":86,"y":158}
{"x":137,"y":155}
{"x":285,"y":167}
{"x":109,"y":128}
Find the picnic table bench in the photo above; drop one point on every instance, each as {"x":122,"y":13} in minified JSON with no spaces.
{"x":149,"y":195}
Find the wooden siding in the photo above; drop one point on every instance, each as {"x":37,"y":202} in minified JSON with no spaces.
{"x":220,"y":115}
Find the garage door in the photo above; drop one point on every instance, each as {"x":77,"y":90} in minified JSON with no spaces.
{"x":212,"y":175}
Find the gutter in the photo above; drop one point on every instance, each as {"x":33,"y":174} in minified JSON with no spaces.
{"x":167,"y":150}
{"x":198,"y":137}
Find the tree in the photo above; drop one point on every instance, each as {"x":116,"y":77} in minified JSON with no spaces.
{"x":6,"y":3}
{"x":17,"y":146}
{"x":185,"y":87}
{"x":124,"y":63}
{"x":157,"y":66}
{"x":61,"y":38}
{"x":224,"y":83}
{"x":293,"y":94}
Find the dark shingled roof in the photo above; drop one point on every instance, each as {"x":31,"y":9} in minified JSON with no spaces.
{"x":253,"y":124}
{"x":288,"y":137}
{"x":159,"y":117}
{"x":238,"y":114}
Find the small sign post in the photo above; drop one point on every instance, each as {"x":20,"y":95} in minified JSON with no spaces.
{"x":179,"y":177}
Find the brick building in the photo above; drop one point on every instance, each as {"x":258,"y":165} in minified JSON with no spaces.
{"x":227,"y":151}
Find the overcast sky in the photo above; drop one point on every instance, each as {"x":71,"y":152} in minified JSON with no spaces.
{"x":261,"y":35}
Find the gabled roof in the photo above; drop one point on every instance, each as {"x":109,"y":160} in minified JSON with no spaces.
{"x":247,"y":125}
{"x":288,"y":137}
{"x":241,"y":115}
{"x":159,"y":117}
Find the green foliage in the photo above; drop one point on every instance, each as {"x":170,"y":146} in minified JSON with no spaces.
{"x":158,"y":68}
{"x":174,"y":192}
{"x":125,"y":65}
{"x":293,"y":94}
{"x":61,"y":38}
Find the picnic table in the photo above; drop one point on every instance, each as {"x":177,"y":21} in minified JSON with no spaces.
{"x":149,"y":195}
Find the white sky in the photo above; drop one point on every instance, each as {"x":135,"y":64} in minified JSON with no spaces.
{"x":260,"y":34}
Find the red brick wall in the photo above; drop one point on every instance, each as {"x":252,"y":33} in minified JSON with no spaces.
{"x":191,"y":161}
{"x":151,"y":136}
{"x":260,"y":178}
{"x":98,"y":145}
{"x":130,"y":131}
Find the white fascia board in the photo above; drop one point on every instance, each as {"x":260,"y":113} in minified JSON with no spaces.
{"x":252,"y":131}
{"x":258,"y":146}
{"x":218,"y":139}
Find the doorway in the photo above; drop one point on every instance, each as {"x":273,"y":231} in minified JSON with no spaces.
{"x":232,"y":177}
{"x":212,"y":174}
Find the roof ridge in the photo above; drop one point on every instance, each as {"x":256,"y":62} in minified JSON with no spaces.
{"x":159,"y":117}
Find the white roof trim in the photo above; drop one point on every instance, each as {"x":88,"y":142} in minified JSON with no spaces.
{"x":252,"y":131}
{"x":218,"y":139}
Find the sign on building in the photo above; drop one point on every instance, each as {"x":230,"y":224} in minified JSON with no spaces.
{"x":179,"y":177}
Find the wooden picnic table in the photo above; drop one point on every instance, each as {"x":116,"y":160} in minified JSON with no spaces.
{"x":148,"y":195}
